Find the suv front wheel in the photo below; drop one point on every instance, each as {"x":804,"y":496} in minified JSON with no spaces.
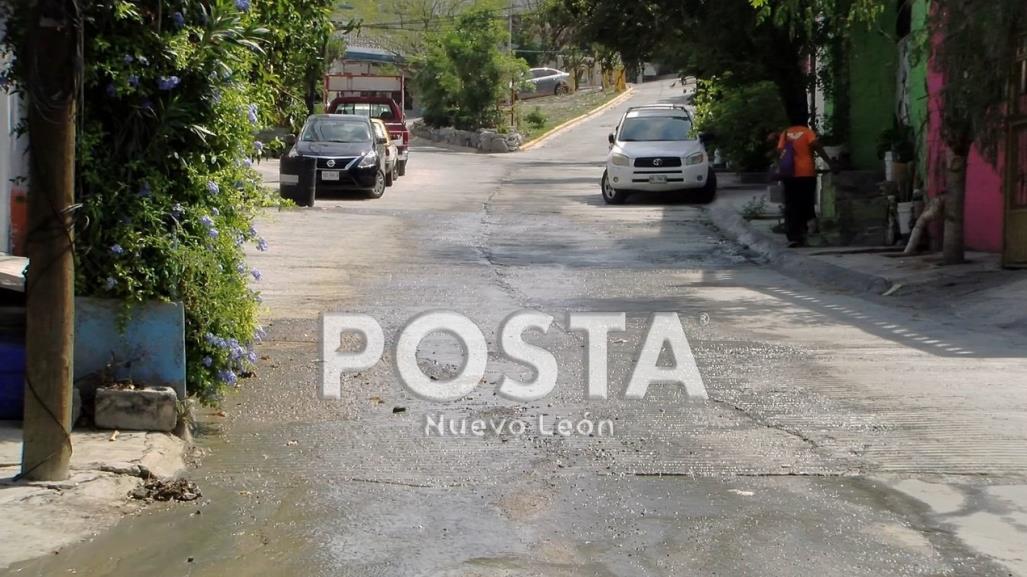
{"x":610,"y":194}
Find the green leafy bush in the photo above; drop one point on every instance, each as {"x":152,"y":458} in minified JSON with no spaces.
{"x":743,"y":118}
{"x":462,"y":76}
{"x":536,"y":118}
{"x":174,"y":92}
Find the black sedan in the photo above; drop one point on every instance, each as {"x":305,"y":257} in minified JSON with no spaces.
{"x":334,"y":152}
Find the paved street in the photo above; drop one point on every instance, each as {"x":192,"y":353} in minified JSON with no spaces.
{"x":841,"y":437}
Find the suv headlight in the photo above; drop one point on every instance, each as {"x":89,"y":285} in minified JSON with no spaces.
{"x":694,"y":159}
{"x":370,"y":159}
{"x":619,"y":159}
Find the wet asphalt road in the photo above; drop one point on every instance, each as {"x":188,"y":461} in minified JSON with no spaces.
{"x":841,"y":438}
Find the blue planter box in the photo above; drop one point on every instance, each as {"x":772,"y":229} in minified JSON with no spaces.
{"x":149,"y":348}
{"x":12,"y":377}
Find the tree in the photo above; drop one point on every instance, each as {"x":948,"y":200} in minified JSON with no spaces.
{"x":296,"y":43}
{"x":975,"y":97}
{"x":464,"y":73}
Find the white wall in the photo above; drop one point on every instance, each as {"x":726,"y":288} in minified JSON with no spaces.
{"x":13,"y":162}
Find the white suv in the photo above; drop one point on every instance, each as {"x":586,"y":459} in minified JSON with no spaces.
{"x":653,"y":149}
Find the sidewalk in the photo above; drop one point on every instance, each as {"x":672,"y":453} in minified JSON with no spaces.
{"x":41,"y":518}
{"x":978,"y":292}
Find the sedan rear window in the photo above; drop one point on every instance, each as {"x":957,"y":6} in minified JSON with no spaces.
{"x":332,"y":130}
{"x":656,"y":129}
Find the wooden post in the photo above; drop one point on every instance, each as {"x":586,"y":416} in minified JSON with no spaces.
{"x":50,"y":286}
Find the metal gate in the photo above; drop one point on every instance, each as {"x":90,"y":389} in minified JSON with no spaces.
{"x":1014,"y":253}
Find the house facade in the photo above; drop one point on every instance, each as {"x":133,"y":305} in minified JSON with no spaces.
{"x":892,"y":82}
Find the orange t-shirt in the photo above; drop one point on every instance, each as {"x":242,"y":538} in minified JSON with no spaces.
{"x":802,"y":139}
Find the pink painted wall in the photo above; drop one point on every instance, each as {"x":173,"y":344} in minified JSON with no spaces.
{"x":985,"y":206}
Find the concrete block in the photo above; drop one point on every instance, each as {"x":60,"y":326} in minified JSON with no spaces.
{"x":145,"y":409}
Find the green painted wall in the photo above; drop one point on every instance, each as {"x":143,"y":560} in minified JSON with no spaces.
{"x":872,"y":73}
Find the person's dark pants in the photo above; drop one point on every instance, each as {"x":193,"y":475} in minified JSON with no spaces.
{"x":800,"y":206}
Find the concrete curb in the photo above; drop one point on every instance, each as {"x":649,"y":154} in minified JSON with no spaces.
{"x":805,"y":268}
{"x":541,"y":139}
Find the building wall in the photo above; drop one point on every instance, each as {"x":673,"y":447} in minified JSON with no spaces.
{"x":872,"y":73}
{"x":984,"y":211}
{"x":13,"y":170}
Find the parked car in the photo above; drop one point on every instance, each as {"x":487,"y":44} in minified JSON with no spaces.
{"x":391,"y":151}
{"x":385,"y":109}
{"x":546,"y":82}
{"x":333,"y":152}
{"x":653,"y":149}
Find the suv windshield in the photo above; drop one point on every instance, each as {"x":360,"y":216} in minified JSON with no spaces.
{"x":335,"y":130}
{"x":656,"y":128}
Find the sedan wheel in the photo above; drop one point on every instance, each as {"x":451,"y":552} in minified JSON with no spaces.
{"x":379,"y":186}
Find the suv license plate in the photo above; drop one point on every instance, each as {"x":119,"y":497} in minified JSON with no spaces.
{"x":329,"y":175}
{"x":657,"y":179}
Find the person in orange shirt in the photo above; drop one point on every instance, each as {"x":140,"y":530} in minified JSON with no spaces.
{"x":798,"y":170}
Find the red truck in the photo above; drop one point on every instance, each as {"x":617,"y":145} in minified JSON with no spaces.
{"x":383,"y":108}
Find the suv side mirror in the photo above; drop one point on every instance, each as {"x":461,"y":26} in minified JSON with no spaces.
{"x":290,"y":139}
{"x":612,"y":138}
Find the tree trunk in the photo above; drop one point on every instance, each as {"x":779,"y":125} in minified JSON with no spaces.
{"x":952,"y":245}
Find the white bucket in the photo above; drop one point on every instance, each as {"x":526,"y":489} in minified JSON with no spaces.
{"x":904,"y":213}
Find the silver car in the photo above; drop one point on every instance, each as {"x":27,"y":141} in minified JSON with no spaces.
{"x":546,"y":82}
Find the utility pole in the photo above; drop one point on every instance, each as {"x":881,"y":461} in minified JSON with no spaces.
{"x":49,"y":335}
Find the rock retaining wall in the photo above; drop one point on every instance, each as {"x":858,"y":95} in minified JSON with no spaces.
{"x":483,"y":140}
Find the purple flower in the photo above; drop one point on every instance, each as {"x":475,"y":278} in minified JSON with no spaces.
{"x":178,"y":210}
{"x":213,"y":233}
{"x":207,"y":361}
{"x":109,"y":283}
{"x":128,"y":59}
{"x":178,"y":19}
{"x":133,"y":80}
{"x":252,"y":114}
{"x":112,"y":90}
{"x":212,"y":187}
{"x":261,"y":245}
{"x":166,"y":83}
{"x":256,"y":274}
{"x":144,"y":189}
{"x":259,"y":334}
{"x":117,"y":250}
{"x":247,"y":162}
{"x":253,"y":230}
{"x":207,"y":221}
{"x":240,"y":268}
{"x":258,"y":145}
{"x":227,"y":376}
{"x":243,"y":5}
